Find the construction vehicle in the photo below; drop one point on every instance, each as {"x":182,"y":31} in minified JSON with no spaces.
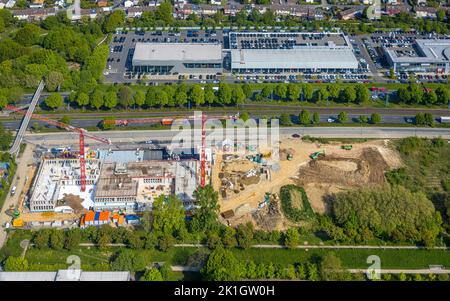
{"x":347,"y":146}
{"x":82,"y":134}
{"x":316,"y":155}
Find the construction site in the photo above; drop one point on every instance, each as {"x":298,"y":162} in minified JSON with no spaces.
{"x":249,"y":185}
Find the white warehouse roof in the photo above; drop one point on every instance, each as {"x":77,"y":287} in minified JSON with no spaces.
{"x":147,"y":52}
{"x":296,"y":58}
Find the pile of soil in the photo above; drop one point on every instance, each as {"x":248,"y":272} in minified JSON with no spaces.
{"x":73,"y":201}
{"x":341,"y":171}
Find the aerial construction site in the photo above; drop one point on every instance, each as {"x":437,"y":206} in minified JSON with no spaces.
{"x":65,"y":184}
{"x":247,"y":178}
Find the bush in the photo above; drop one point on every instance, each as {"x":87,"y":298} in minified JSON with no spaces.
{"x":289,"y":211}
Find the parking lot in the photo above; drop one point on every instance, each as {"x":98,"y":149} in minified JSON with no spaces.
{"x":367,"y":49}
{"x":122,"y":46}
{"x":403,"y":43}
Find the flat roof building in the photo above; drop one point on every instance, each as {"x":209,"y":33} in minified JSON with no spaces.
{"x":425,"y":56}
{"x":177,"y":58}
{"x":66,"y":275}
{"x":276,"y":52}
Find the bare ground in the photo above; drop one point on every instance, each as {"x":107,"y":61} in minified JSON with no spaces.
{"x":339,"y":170}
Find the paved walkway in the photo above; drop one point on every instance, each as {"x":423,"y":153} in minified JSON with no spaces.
{"x":19,"y":182}
{"x":266,"y":246}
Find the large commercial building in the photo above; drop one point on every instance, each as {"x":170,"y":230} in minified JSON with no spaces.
{"x":425,"y":56}
{"x":177,"y":58}
{"x":292,"y":52}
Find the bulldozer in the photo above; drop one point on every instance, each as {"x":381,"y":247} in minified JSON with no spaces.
{"x":318,"y":154}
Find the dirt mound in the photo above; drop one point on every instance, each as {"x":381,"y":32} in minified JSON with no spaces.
{"x":367,"y":169}
{"x":73,"y":201}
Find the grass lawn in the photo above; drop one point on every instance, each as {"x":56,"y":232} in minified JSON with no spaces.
{"x":410,"y":259}
{"x":48,"y":259}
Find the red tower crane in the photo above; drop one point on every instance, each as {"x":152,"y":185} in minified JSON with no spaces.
{"x":82,"y":134}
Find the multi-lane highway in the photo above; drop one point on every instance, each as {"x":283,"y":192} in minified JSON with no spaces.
{"x":131,"y":138}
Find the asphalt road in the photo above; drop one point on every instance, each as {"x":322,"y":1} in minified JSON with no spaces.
{"x":134,"y":138}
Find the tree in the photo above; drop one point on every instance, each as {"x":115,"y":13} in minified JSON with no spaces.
{"x":97,"y":99}
{"x":168,"y":215}
{"x":114,"y":20}
{"x":304,"y":117}
{"x":54,"y":101}
{"x":244,"y":235}
{"x":322,"y":94}
{"x":197,"y":95}
{"x":54,"y":80}
{"x":82,"y":99}
{"x":221,"y":266}
{"x":440,"y":15}
{"x":2,"y":25}
{"x":139,"y":98}
{"x":293,"y":92}
{"x":342,"y":117}
{"x":403,"y":94}
{"x":28,"y":35}
{"x":152,"y":274}
{"x":229,"y":237}
{"x":164,"y":13}
{"x":375,"y":118}
{"x":247,"y":89}
{"x":165,"y":243}
{"x":15,"y":264}
{"x":362,"y":93}
{"x":110,"y":100}
{"x":363,"y":119}
{"x":348,"y":94}
{"x":308,"y":92}
{"x":3,"y":101}
{"x":266,"y":91}
{"x":245,"y":116}
{"x":238,"y":96}
{"x":73,"y":239}
{"x":333,"y":91}
{"x":206,"y":215}
{"x":430,"y":98}
{"x":285,"y":119}
{"x":442,"y":94}
{"x":57,"y":239}
{"x":128,"y":260}
{"x":281,"y":91}
{"x":292,"y":238}
{"x":41,"y":239}
{"x":331,"y":268}
{"x":316,"y":117}
{"x":181,"y":98}
{"x":224,"y":94}
{"x":411,"y":216}
{"x":125,"y":95}
{"x":210,"y":96}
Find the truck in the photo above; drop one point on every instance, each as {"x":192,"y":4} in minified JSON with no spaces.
{"x":444,"y":119}
{"x":126,"y":122}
